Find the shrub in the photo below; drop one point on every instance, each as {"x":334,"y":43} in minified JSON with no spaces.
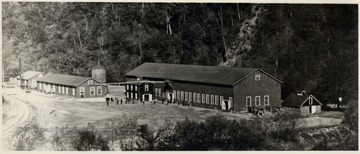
{"x":27,"y":138}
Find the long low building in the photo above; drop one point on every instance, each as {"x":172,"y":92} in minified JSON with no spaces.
{"x":28,"y":79}
{"x":223,"y":88}
{"x":71,"y":85}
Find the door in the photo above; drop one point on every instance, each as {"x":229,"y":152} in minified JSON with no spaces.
{"x":223,"y":105}
{"x":146,"y":97}
{"x":313,"y":109}
{"x":171,"y":97}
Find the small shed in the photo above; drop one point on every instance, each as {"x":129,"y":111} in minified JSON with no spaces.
{"x":305,"y":103}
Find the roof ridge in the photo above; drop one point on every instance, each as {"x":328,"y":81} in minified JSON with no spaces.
{"x":200,"y":65}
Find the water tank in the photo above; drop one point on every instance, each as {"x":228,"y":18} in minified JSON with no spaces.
{"x":99,"y":73}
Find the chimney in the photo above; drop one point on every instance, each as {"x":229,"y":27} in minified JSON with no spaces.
{"x":301,"y":93}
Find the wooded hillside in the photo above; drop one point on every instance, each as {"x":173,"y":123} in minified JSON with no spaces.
{"x":312,"y":47}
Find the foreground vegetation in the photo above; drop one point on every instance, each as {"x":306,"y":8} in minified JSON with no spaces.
{"x":215,"y":133}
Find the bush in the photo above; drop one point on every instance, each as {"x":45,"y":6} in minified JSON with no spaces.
{"x":27,"y":138}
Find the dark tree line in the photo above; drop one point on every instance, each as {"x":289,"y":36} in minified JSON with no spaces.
{"x":312,"y":47}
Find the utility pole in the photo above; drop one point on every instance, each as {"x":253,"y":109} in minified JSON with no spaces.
{"x":20,"y":72}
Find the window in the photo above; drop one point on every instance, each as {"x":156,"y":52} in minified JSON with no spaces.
{"x":221,"y":99}
{"x":73,"y":91}
{"x":190,"y":96}
{"x":178,"y":95}
{"x":194,"y":97}
{"x":90,"y":82}
{"x":99,"y":90}
{"x":67,"y":90}
{"x":257,"y":100}
{"x":198,"y":97}
{"x":53,"y":88}
{"x":174,"y":94}
{"x":146,"y":87}
{"x":92,"y":90}
{"x":63,"y":89}
{"x":127,"y":95}
{"x":257,"y":77}
{"x":59,"y":89}
{"x":207,"y":98}
{"x":248,"y":101}
{"x":127,"y":87}
{"x":182,"y":95}
{"x":131,"y":87}
{"x":266,"y":100}
{"x":203,"y":98}
{"x":186,"y":96}
{"x":212,"y":100}
{"x":131,"y":95}
{"x":82,"y":91}
{"x":216,"y":100}
{"x":135,"y":96}
{"x":156,"y":91}
{"x":135,"y":86}
{"x":310,"y":101}
{"x":230,"y":102}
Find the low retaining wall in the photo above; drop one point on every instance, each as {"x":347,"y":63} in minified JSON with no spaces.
{"x":318,"y":122}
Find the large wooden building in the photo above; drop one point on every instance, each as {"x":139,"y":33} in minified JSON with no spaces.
{"x":208,"y":86}
{"x":77,"y":86}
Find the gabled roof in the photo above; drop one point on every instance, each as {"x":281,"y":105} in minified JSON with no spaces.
{"x":29,"y":74}
{"x":193,"y":73}
{"x":62,"y":79}
{"x":294,"y":100}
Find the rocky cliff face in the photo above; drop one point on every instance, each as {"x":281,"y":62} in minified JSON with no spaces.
{"x":242,"y":44}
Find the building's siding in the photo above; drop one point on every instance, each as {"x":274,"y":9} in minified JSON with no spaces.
{"x":210,"y":89}
{"x":318,"y":108}
{"x":32,"y":83}
{"x":139,"y":91}
{"x":225,"y":91}
{"x":305,"y":109}
{"x":252,"y":88}
{"x":77,"y":89}
{"x":87,"y":89}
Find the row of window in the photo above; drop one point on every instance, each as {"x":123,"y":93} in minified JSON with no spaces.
{"x":196,"y":97}
{"x":258,"y":100}
{"x":131,"y":87}
{"x":65,"y":90}
{"x":158,"y":92}
{"x":51,"y":88}
{"x":92,"y":90}
{"x":131,"y":95}
{"x":134,"y":87}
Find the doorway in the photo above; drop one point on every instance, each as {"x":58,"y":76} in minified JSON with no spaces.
{"x":312,"y":109}
{"x":225,"y":105}
{"x":147,"y":97}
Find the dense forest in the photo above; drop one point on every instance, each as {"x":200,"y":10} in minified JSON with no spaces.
{"x":312,"y":47}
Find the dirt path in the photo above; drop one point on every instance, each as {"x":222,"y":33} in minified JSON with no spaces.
{"x":22,"y":114}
